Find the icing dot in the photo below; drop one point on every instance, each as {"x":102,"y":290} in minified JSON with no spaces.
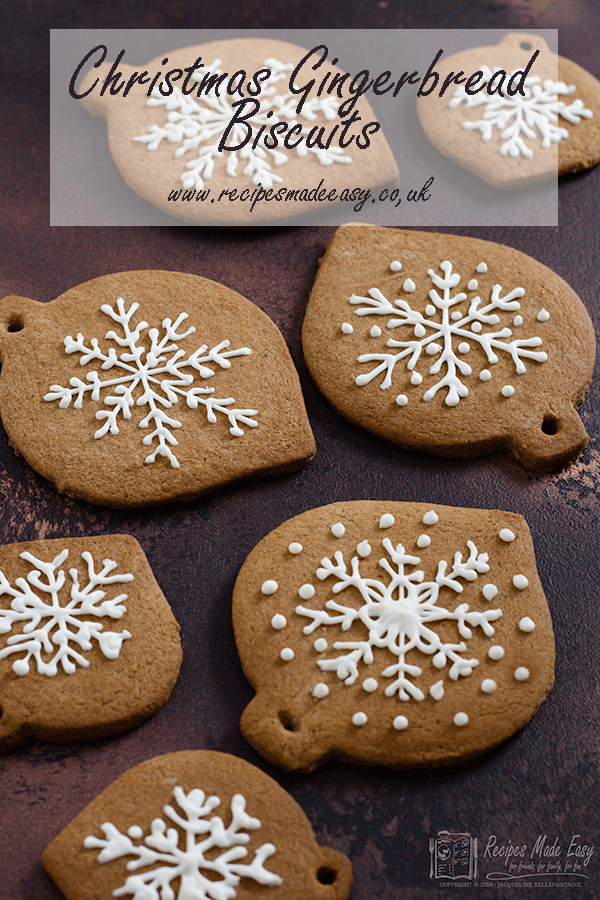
{"x":476,"y":327}
{"x":543,"y":315}
{"x":430,"y":309}
{"x":386,"y":521}
{"x":347,"y":328}
{"x":364,"y":548}
{"x":369,"y":685}
{"x":409,"y":286}
{"x":400,"y":723}
{"x":508,"y":390}
{"x":496,"y":652}
{"x":401,"y":399}
{"x":456,"y":315}
{"x":507,"y":535}
{"x":295,"y":547}
{"x":481,"y":268}
{"x":287,"y":654}
{"x":338,"y":530}
{"x":461,"y":719}
{"x":517,"y":321}
{"x":395,"y":266}
{"x":320,"y":645}
{"x":359,"y":718}
{"x":135,"y":832}
{"x":432,"y":349}
{"x":419,"y":330}
{"x":320,"y":690}
{"x":488,"y":685}
{"x":485,"y":375}
{"x":375,"y":331}
{"x":437,"y":690}
{"x":278,"y":622}
{"x":473,"y":284}
{"x":268,"y":587}
{"x":463,"y":347}
{"x":520,"y":582}
{"x":522,"y":674}
{"x":430,"y":518}
{"x":423,"y":540}
{"x":526,"y":624}
{"x":306,"y":591}
{"x":415,"y":378}
{"x":489,"y":591}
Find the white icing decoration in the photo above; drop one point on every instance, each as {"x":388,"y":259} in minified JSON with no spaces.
{"x":430,"y":518}
{"x":399,"y":614}
{"x":522,"y":674}
{"x":359,"y":718}
{"x":338,"y":530}
{"x":508,"y":390}
{"x":192,"y":122}
{"x":476,"y":326}
{"x":370,"y":685}
{"x":519,"y":117}
{"x":520,"y":582}
{"x":157,"y":375}
{"x":543,"y":315}
{"x":400,"y":723}
{"x":386,"y":521}
{"x":437,"y":690}
{"x":461,"y":719}
{"x":268,"y":587}
{"x":489,"y":591}
{"x":488,"y":685}
{"x":364,"y":548}
{"x":203,"y":833}
{"x":463,"y":347}
{"x":506,"y":535}
{"x":306,"y":591}
{"x":52,"y":631}
{"x":482,"y":268}
{"x":401,"y":399}
{"x":435,"y":333}
{"x":409,"y":286}
{"x":320,"y":690}
{"x":473,"y":284}
{"x":496,"y":652}
{"x":287,"y":654}
{"x":295,"y":547}
{"x":485,"y":375}
{"x":320,"y":645}
{"x":347,"y":328}
{"x":375,"y":331}
{"x":278,"y":622}
{"x":423,"y":540}
{"x":518,"y":321}
{"x":395,"y":266}
{"x":526,"y":624}
{"x":416,"y":378}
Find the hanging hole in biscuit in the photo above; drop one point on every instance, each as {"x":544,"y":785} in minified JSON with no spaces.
{"x":525,"y":45}
{"x":15,"y":324}
{"x":326,"y":875}
{"x":288,"y":721}
{"x":550,"y":425}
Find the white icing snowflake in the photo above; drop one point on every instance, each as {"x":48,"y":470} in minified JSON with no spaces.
{"x":400,"y":615}
{"x":49,"y":628}
{"x":444,"y":324}
{"x":519,"y":116}
{"x":157,"y":372}
{"x":161,"y":849}
{"x":192,"y":122}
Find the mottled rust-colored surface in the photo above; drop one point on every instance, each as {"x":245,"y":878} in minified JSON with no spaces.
{"x":545,"y":780}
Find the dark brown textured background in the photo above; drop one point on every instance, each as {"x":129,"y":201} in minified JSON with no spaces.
{"x":543,"y":781}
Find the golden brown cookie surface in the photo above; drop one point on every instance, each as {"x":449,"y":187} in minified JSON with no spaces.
{"x":88,"y":643}
{"x":450,"y":344}
{"x":391,"y":633}
{"x":552,"y":128}
{"x":149,"y":386}
{"x":195,"y":824}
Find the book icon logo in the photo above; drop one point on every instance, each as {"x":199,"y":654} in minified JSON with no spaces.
{"x":453,"y":856}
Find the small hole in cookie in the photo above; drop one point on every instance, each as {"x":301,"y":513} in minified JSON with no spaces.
{"x":525,"y":45}
{"x":550,"y":425}
{"x":326,"y":875}
{"x":288,"y":721}
{"x":15,"y":324}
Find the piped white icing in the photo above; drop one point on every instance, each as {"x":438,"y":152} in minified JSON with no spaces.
{"x":400,"y":723}
{"x":359,"y":718}
{"x":526,"y":624}
{"x":437,"y":690}
{"x":520,"y":582}
{"x":386,"y":520}
{"x":508,"y":390}
{"x":496,"y":652}
{"x":320,"y":690}
{"x":320,"y":645}
{"x":409,"y":286}
{"x":461,"y":719}
{"x":482,"y":268}
{"x":364,"y":549}
{"x":278,"y":622}
{"x":268,"y":587}
{"x":543,"y":315}
{"x":347,"y":328}
{"x":488,"y":685}
{"x":489,"y":591}
{"x":370,"y":685}
{"x":338,"y":530}
{"x":401,"y":399}
{"x":375,"y":331}
{"x":430,"y":518}
{"x":423,"y":540}
{"x":395,"y":266}
{"x":287,"y":654}
{"x":295,"y":548}
{"x":306,"y":591}
{"x":506,"y":535}
{"x":522,"y":673}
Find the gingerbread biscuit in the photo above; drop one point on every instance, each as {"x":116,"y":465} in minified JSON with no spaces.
{"x":195,"y":824}
{"x":88,"y":643}
{"x":145,"y":387}
{"x":450,"y":344}
{"x":390,"y":633}
{"x":552,"y":128}
{"x":169,"y":145}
